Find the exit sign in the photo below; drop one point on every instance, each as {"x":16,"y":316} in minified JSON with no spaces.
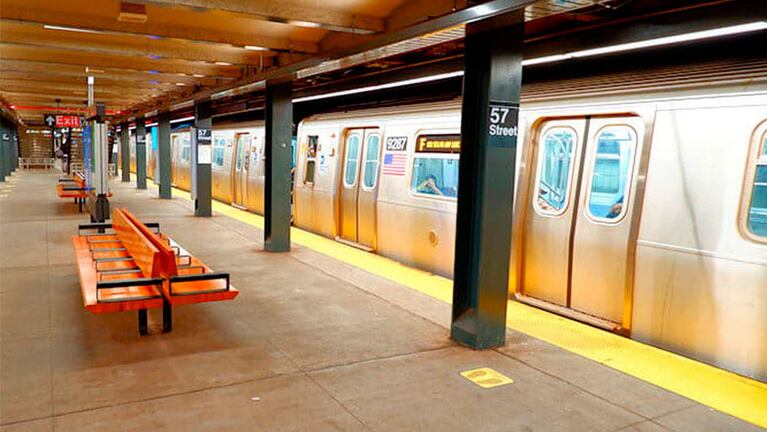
{"x":67,"y":121}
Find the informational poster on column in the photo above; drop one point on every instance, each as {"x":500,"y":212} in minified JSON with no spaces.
{"x":204,"y":148}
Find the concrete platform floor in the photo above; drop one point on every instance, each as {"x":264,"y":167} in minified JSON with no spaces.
{"x":311,"y":344}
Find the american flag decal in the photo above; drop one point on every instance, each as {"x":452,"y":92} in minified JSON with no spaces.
{"x":394,"y":164}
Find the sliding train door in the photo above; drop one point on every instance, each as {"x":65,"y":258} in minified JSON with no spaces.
{"x":579,"y":234}
{"x":358,"y":187}
{"x":240,"y":171}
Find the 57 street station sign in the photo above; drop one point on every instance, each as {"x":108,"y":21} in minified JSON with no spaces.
{"x":61,"y":120}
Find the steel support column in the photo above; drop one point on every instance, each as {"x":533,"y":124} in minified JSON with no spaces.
{"x":140,"y":153}
{"x":125,"y":152}
{"x":491,"y":92}
{"x":163,"y":150}
{"x":202,"y":154}
{"x":279,"y":132}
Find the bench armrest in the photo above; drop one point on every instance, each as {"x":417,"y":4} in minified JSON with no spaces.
{"x":124,"y":283}
{"x":198,"y":278}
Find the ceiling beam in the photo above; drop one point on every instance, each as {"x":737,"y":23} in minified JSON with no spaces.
{"x":80,"y":19}
{"x":45,"y":69}
{"x":279,"y":11}
{"x":50,"y":88}
{"x":10,"y":51}
{"x":11,"y":79}
{"x":36,"y":36}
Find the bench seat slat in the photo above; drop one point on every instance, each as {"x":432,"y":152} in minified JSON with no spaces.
{"x":118,"y":299}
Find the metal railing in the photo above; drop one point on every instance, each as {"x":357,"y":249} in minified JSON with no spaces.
{"x":42,"y":163}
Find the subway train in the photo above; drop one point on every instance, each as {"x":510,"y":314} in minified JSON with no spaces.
{"x":640,"y":205}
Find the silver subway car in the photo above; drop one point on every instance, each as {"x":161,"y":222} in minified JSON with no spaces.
{"x":643,"y":213}
{"x":640,"y":211}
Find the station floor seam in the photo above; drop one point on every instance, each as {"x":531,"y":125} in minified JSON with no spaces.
{"x":724,"y":391}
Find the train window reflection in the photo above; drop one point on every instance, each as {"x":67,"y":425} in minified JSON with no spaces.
{"x":219,"y":146}
{"x":757,"y":212}
{"x":352,"y":159}
{"x":311,"y":154}
{"x":437,"y":176}
{"x":242,"y":142}
{"x":554,"y":170}
{"x":371,"y":161}
{"x":611,"y":172}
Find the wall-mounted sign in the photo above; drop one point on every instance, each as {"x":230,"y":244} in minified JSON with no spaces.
{"x":67,"y":120}
{"x":204,"y":150}
{"x":502,"y":124}
{"x":438,"y":144}
{"x":49,"y":120}
{"x":396,"y":143}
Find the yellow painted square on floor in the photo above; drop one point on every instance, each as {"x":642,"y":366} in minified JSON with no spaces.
{"x":486,"y":377}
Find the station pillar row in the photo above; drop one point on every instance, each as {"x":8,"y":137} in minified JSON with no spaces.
{"x":279,"y":133}
{"x":491,"y":92}
{"x":202,"y":154}
{"x":163,"y":146}
{"x":4,"y":156}
{"x":140,"y":153}
{"x":125,"y":152}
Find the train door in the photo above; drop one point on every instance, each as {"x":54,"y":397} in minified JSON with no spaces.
{"x":240,"y":171}
{"x":579,"y":235}
{"x":358,"y":187}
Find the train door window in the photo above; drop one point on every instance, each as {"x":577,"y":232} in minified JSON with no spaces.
{"x":242,"y":139}
{"x":555,"y":168}
{"x":372,"y":151}
{"x":757,"y":205}
{"x":219,"y":147}
{"x":352,"y":159}
{"x":611,"y":173}
{"x":186,"y":150}
{"x":311,"y":155}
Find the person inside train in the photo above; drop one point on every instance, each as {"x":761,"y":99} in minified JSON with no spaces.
{"x":615,"y":209}
{"x":429,"y":186}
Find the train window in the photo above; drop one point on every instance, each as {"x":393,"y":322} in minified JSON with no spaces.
{"x":311,"y":154}
{"x":435,"y":176}
{"x":372,"y":150}
{"x":611,"y":173}
{"x":351,"y":160}
{"x":242,"y":141}
{"x":555,"y":165}
{"x":219,"y":147}
{"x":757,"y":209}
{"x":186,"y":149}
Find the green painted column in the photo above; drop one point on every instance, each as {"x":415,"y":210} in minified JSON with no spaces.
{"x":202,"y":153}
{"x":3,"y":155}
{"x":140,"y":154}
{"x":491,"y":91}
{"x":125,"y":152}
{"x":279,"y":132}
{"x":163,"y":147}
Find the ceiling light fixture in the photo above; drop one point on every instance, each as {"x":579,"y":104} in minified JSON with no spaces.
{"x":304,"y":24}
{"x":220,"y":63}
{"x":72,"y":29}
{"x":198,"y":75}
{"x":255,"y":48}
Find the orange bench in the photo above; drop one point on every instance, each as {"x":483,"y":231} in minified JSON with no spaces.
{"x":73,"y":187}
{"x":135,"y":268}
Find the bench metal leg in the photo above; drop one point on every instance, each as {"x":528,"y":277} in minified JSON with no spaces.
{"x":167,"y":317}
{"x":143,"y":322}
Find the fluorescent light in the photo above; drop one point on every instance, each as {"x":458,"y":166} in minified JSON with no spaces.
{"x":72,"y":29}
{"x":255,"y":48}
{"x":381,"y":86}
{"x":304,"y":24}
{"x":220,"y":63}
{"x":180,"y":84}
{"x":153,"y":124}
{"x":198,"y":75}
{"x":182,"y":119}
{"x":649,"y":43}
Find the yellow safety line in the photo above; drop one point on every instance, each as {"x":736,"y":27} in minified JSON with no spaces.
{"x":725,"y":391}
